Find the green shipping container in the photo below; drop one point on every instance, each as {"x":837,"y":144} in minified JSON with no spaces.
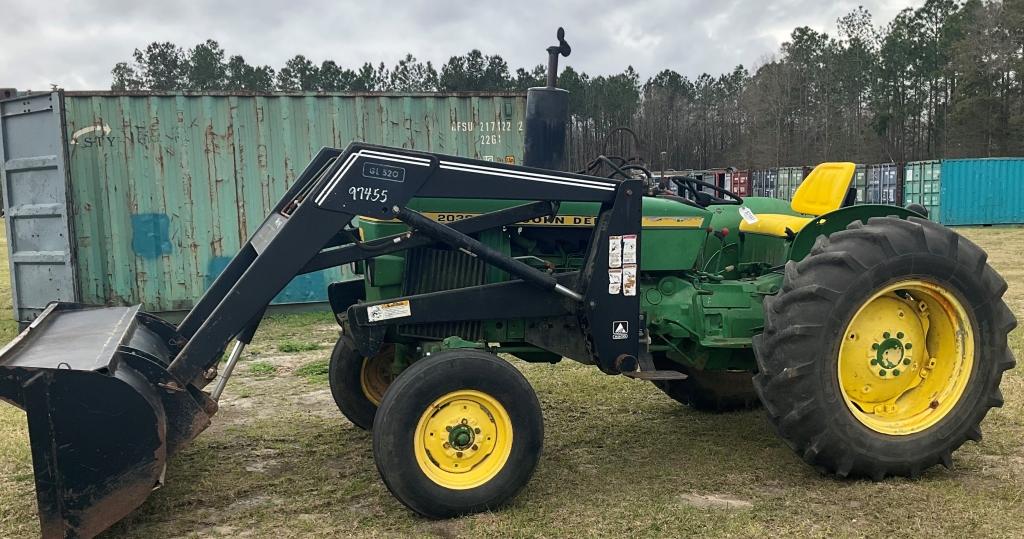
{"x":164,"y":188}
{"x":921,"y":185}
{"x":860,"y":183}
{"x":790,"y":179}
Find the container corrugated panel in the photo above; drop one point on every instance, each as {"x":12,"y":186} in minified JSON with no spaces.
{"x":982,"y":191}
{"x":782,"y":184}
{"x":741,"y":182}
{"x":789,"y":180}
{"x":764,"y":182}
{"x":167,"y":187}
{"x":860,"y":183}
{"x":921,"y":185}
{"x":881,"y":184}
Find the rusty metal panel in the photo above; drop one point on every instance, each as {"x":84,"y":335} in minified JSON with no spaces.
{"x":167,"y":187}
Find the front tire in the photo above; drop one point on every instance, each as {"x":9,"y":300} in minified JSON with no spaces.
{"x":458,"y":433}
{"x":358,"y":383}
{"x":884,"y":349}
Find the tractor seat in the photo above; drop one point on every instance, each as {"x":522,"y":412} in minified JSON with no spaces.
{"x":822,"y":191}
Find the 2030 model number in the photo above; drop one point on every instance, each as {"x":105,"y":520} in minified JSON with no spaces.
{"x":372,"y":194}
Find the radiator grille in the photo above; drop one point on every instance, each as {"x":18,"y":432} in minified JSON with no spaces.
{"x":433,"y":270}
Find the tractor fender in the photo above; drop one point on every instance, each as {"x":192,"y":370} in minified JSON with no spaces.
{"x":834,"y":221}
{"x":344,"y":294}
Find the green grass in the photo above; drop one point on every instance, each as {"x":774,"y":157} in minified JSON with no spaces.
{"x":620,"y":459}
{"x":291,"y":346}
{"x":262,"y":368}
{"x":315,"y":371}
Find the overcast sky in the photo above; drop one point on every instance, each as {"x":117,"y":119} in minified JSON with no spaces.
{"x":74,"y":43}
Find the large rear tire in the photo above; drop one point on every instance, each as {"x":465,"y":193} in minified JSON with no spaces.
{"x":884,"y":349}
{"x":458,"y":433}
{"x":713,"y":391}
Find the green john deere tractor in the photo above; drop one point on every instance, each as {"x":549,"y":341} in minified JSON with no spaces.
{"x":875,"y":339}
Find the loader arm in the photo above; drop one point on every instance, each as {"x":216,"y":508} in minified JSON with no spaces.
{"x":379,"y":182}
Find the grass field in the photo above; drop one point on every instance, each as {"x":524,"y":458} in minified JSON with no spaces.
{"x":620,"y":459}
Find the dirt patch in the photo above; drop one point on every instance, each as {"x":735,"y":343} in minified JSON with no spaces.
{"x":716,"y":501}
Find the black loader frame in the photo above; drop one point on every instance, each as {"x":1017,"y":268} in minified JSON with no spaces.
{"x":112,"y":392}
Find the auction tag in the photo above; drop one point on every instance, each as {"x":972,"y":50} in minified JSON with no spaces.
{"x":387,"y":311}
{"x":614,"y":281}
{"x":747,"y":215}
{"x":629,"y":249}
{"x":614,"y":251}
{"x":629,"y":280}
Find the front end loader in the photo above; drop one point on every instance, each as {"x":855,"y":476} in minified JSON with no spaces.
{"x":874,"y":338}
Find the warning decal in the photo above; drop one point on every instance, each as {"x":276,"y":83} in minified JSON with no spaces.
{"x":629,"y":249}
{"x":614,"y":251}
{"x":620,"y":329}
{"x":629,"y":280}
{"x":387,"y":311}
{"x":614,"y":281}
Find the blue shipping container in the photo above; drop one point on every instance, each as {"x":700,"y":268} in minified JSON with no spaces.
{"x":982,"y":191}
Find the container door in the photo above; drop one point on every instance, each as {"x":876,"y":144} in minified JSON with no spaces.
{"x":35,"y":187}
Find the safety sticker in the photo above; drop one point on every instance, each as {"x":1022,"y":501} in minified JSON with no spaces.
{"x":620,"y":330}
{"x":629,"y":249}
{"x":629,"y":280}
{"x":748,"y":215}
{"x":614,"y":251}
{"x":387,"y":311}
{"x":614,"y":281}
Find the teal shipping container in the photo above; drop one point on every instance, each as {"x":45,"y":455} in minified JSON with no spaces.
{"x":162,"y":189}
{"x":921,"y":185}
{"x":982,"y":191}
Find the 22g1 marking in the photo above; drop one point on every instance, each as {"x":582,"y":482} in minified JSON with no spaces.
{"x":370,"y":194}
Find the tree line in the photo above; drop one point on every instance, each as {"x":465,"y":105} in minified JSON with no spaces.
{"x":940,"y":81}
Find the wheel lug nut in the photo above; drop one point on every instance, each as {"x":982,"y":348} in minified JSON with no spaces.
{"x":458,"y":454}
{"x":465,"y":421}
{"x":447,"y":445}
{"x":475,"y":447}
{"x":477,"y":430}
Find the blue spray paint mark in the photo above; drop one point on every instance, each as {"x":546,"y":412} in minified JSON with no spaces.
{"x":150,"y":235}
{"x":215,"y":268}
{"x":302,"y":289}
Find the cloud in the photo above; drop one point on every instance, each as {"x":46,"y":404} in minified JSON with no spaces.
{"x":74,"y":44}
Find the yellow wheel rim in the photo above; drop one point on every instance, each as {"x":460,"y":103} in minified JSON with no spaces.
{"x":906,"y":357}
{"x":463,"y":439}
{"x":375,"y":376}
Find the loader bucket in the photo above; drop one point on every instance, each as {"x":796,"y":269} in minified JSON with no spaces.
{"x":103,"y":412}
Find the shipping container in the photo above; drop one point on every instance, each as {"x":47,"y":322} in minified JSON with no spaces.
{"x":143,"y":197}
{"x":921,"y":185}
{"x":716,"y":176}
{"x":789,"y":180}
{"x":763,"y":182}
{"x":860,"y":183}
{"x":982,"y":191}
{"x":882,"y":184}
{"x":741,"y":182}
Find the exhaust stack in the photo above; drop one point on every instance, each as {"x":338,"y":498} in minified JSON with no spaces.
{"x":547,"y":115}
